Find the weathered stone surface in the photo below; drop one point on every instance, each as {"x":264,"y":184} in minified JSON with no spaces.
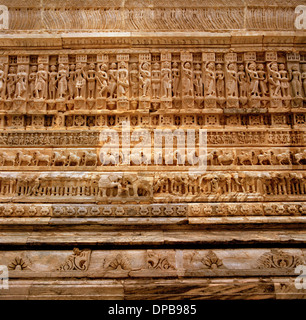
{"x":152,"y":150}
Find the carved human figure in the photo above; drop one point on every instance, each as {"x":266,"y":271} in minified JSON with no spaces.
{"x":176,"y":75}
{"x":71,"y":81}
{"x":262,"y":77}
{"x":21,"y":82}
{"x":284,"y":80}
{"x":41,"y":82}
{"x":2,"y":81}
{"x":187,"y":84}
{"x":80,"y":81}
{"x":112,"y":75}
{"x":166,"y":80}
{"x":11,"y":82}
{"x":123,"y":80}
{"x":231,"y":83}
{"x":242,"y":81}
{"x":52,"y":82}
{"x":253,"y":79}
{"x":274,"y":79}
{"x":219,"y":81}
{"x":145,"y":78}
{"x":197,"y":80}
{"x":102,"y":80}
{"x":304,"y":78}
{"x":32,"y":81}
{"x":134,"y":80}
{"x":296,"y":83}
{"x":209,"y":83}
{"x":155,"y":80}
{"x":62,"y":85}
{"x":91,"y":80}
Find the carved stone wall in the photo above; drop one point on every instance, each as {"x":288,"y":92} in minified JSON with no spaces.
{"x":93,"y":223}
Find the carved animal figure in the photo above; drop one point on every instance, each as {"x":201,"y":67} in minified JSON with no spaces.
{"x":22,"y":158}
{"x":284,"y":158}
{"x":265,"y":157}
{"x":227,"y":158}
{"x":72,"y":158}
{"x":300,"y":157}
{"x":5,"y":158}
{"x":40,"y":158}
{"x":245,"y":157}
{"x":58,"y":158}
{"x":89,"y":158}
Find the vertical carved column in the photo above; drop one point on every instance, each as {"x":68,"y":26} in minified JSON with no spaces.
{"x":102,"y":80}
{"x":209,"y":80}
{"x":166,"y":81}
{"x":123,"y":82}
{"x":80,"y":81}
{"x":3,"y":78}
{"x":39,"y":83}
{"x":231,"y":80}
{"x":295,"y":77}
{"x":61,"y":89}
{"x":253,"y":79}
{"x":145,"y":81}
{"x":187,"y":81}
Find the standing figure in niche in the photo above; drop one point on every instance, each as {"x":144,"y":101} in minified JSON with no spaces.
{"x":91,"y":80}
{"x":145,"y":78}
{"x":134,"y":80}
{"x":209,"y":84}
{"x":262,"y":80}
{"x":71,"y":81}
{"x":80,"y":81}
{"x":123,"y":80}
{"x":32,"y":81}
{"x":253,"y":79}
{"x":52,"y":82}
{"x":304,"y":78}
{"x":243,"y":85}
{"x":219,"y":81}
{"x":21,"y":82}
{"x":102,"y":80}
{"x":112,"y":74}
{"x":176,"y":79}
{"x":296,"y":83}
{"x":232,"y":88}
{"x":197,"y":81}
{"x":11,"y":82}
{"x":155,"y":81}
{"x":187,"y":76}
{"x":41,"y":82}
{"x":166,"y":80}
{"x":274,"y":79}
{"x":284,"y":80}
{"x":2,"y":83}
{"x":62,"y":81}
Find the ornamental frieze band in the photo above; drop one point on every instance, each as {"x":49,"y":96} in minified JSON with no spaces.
{"x":152,"y":151}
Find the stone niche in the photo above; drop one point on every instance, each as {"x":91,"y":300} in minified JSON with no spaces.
{"x":164,"y":147}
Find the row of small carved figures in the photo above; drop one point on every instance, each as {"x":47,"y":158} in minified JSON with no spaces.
{"x":131,"y":185}
{"x":215,"y":157}
{"x":215,"y":210}
{"x":89,"y":81}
